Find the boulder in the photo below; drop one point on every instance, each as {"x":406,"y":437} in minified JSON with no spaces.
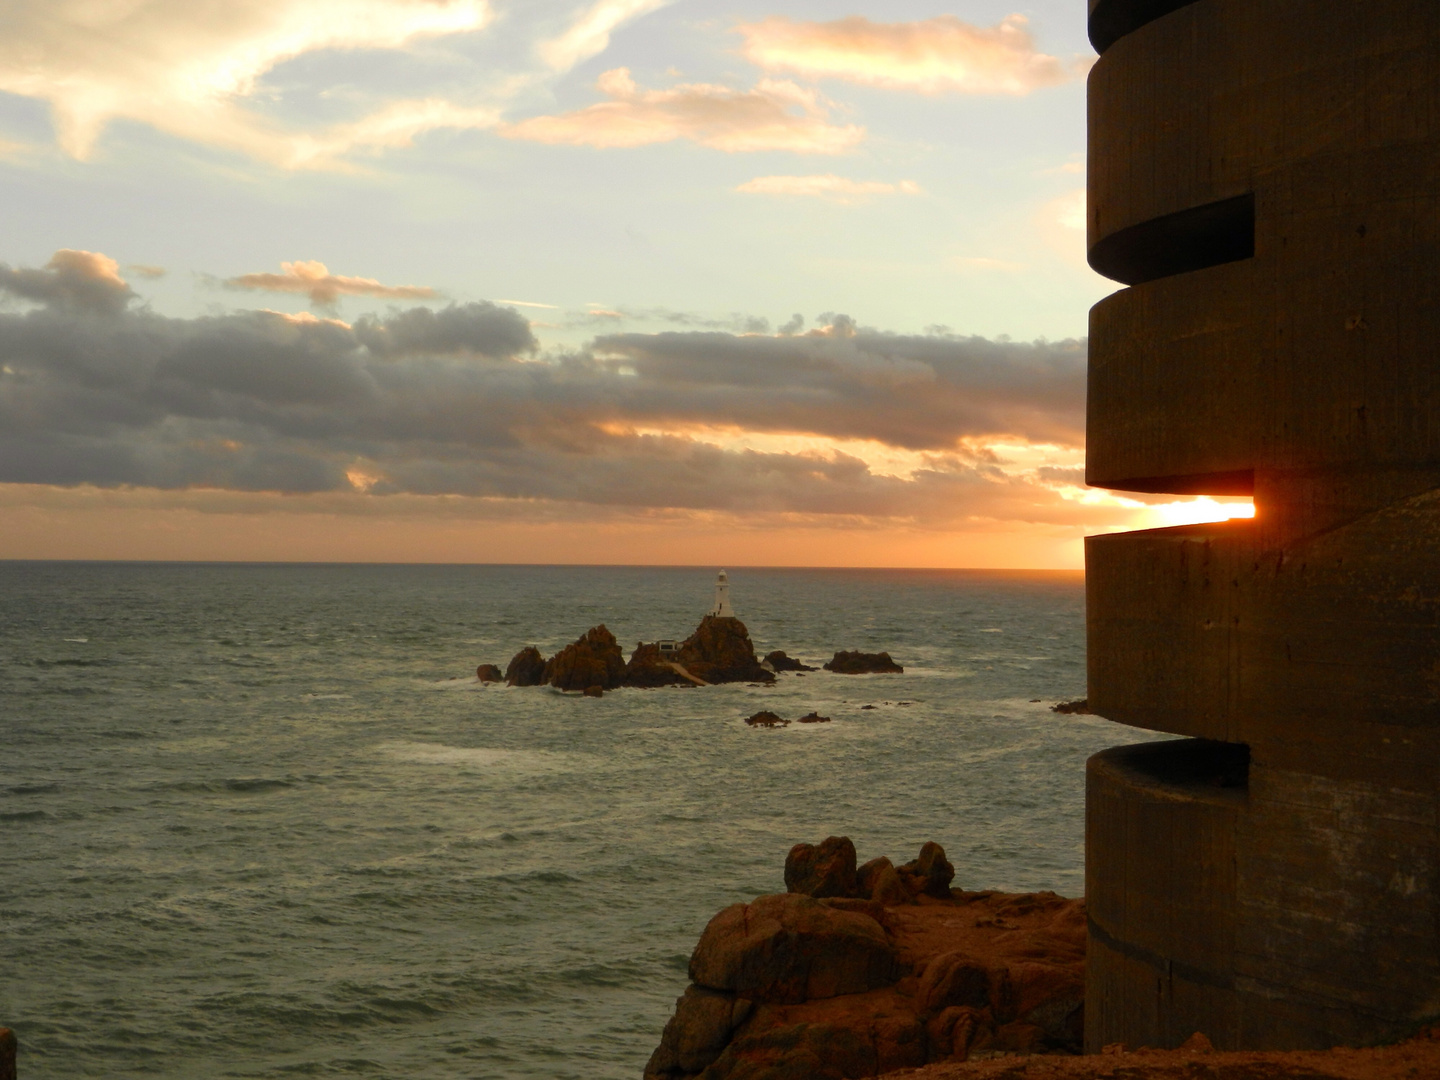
{"x":813,"y":717}
{"x":879,"y":881}
{"x":697,"y":1033}
{"x":863,"y":663}
{"x":526,"y":668}
{"x":719,"y":651}
{"x":778,"y":661}
{"x":593,"y":659}
{"x":489,"y":673}
{"x":791,"y":948}
{"x":954,"y":979}
{"x":930,"y":874}
{"x":647,"y":669}
{"x":766,"y":718}
{"x":824,"y":870}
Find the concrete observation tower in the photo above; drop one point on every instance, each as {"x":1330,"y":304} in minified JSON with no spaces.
{"x":1265,"y":179}
{"x":722,"y":608}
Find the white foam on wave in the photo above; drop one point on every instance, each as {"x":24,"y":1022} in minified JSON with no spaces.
{"x":484,"y":757}
{"x":79,"y":640}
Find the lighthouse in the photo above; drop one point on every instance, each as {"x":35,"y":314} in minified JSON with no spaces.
{"x":722,"y":608}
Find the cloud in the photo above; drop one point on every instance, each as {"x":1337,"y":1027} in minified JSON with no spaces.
{"x":590,"y":34}
{"x":775,"y":115}
{"x":187,"y":68}
{"x":934,"y":56}
{"x":314,"y":280}
{"x":72,"y":281}
{"x":841,"y":421}
{"x":826,"y":186}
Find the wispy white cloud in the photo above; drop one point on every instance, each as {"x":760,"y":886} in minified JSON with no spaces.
{"x":827,"y":186}
{"x":939,"y":55}
{"x":188,"y":69}
{"x":590,"y":34}
{"x":313,"y":279}
{"x":775,"y":115}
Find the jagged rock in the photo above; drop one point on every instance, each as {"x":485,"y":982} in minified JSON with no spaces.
{"x":879,"y":881}
{"x":647,"y":669}
{"x":489,"y":673}
{"x":824,"y":870}
{"x":1079,"y":707}
{"x":526,"y":668}
{"x":862,"y":663}
{"x":766,"y":718}
{"x":813,"y":718}
{"x":780,"y":662}
{"x":593,"y":659}
{"x":993,"y":973}
{"x":719,"y":651}
{"x":790,"y":948}
{"x":697,"y":1033}
{"x":929,"y":874}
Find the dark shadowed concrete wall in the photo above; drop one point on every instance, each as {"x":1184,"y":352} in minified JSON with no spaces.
{"x":1266,"y":179}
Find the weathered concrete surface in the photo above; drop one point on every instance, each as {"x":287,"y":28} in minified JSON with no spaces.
{"x":1266,"y":177}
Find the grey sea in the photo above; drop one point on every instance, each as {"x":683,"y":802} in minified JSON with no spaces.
{"x":261,"y":820}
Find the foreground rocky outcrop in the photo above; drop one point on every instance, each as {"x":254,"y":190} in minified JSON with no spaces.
{"x":863,"y":663}
{"x":1410,"y":1060}
{"x":861,"y":970}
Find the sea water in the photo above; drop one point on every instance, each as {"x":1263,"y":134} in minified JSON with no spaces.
{"x":261,"y":820}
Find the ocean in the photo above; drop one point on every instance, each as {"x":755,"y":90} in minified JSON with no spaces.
{"x":262,"y":821}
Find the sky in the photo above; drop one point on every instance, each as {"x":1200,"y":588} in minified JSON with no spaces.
{"x":578,"y":281}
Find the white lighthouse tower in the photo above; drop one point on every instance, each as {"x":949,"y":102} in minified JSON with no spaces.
{"x":722,"y":608}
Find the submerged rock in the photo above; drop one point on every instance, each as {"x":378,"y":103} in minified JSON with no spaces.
{"x":526,"y":668}
{"x":594,"y":659}
{"x":766,"y":718}
{"x":778,"y":661}
{"x":863,"y":663}
{"x":1079,"y":707}
{"x":489,"y":673}
{"x":813,"y":718}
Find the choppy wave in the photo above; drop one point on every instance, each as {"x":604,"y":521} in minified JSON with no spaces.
{"x":255,"y":844}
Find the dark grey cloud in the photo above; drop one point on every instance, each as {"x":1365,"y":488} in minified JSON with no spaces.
{"x":457,"y":401}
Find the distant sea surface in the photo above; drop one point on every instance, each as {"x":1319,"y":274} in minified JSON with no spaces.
{"x":261,"y":820}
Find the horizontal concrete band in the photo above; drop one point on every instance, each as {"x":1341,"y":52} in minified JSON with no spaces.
{"x":1298,"y":910}
{"x":1191,"y":107}
{"x":1209,"y":631}
{"x":1321,"y":350}
{"x":1160,"y":892}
